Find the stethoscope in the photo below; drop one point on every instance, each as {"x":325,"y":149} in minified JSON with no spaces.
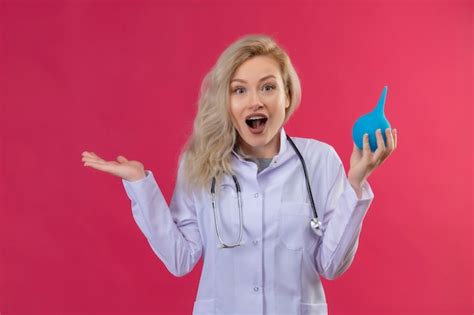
{"x":315,"y":223}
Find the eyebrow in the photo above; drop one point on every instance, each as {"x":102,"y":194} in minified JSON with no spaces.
{"x":264,"y":78}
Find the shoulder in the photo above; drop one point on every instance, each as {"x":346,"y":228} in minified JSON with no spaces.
{"x":313,"y":147}
{"x":318,"y":153}
{"x":321,"y":157}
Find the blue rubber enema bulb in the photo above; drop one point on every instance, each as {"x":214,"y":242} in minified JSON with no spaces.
{"x":370,"y":122}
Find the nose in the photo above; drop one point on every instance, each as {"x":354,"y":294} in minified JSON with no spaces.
{"x":255,"y":101}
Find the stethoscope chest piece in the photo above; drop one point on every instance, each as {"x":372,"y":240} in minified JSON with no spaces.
{"x":316,"y":226}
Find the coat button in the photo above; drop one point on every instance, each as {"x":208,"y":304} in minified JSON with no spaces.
{"x":255,"y":289}
{"x":255,"y":242}
{"x":256,"y":195}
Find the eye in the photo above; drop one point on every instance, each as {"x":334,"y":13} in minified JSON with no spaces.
{"x":269,"y":86}
{"x":237,"y":89}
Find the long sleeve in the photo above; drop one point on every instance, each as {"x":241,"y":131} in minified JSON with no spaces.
{"x":172,"y":232}
{"x":342,"y":220}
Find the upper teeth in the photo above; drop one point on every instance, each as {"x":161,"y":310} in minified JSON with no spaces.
{"x":255,"y":117}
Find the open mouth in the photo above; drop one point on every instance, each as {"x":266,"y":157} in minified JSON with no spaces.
{"x":256,"y":124}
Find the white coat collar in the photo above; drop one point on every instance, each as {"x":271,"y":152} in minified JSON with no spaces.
{"x":283,"y":146}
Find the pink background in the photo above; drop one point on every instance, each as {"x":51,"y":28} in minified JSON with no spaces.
{"x":122,"y":77}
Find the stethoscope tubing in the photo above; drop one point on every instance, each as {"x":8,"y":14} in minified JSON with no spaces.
{"x":315,"y":224}
{"x":308,"y":186}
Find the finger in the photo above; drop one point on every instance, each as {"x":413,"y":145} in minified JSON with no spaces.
{"x":86,"y":153}
{"x":366,"y":147}
{"x":379,"y":152}
{"x":380,"y":140}
{"x":121,"y":159}
{"x":101,"y":166}
{"x":93,"y":154}
{"x":108,"y":167}
{"x":390,"y":141}
{"x":97,"y":157}
{"x":389,"y":145}
{"x":92,"y":160}
{"x":395,"y":138}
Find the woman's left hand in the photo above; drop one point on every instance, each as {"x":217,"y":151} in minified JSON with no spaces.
{"x":364,"y":162}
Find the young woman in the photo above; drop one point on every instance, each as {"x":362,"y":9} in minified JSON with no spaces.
{"x":269,"y":213}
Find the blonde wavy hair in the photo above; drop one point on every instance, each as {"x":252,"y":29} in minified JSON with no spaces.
{"x":208,"y":151}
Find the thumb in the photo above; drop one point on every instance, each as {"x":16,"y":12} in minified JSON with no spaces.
{"x":121,"y":159}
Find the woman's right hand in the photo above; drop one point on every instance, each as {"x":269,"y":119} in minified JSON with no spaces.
{"x":128,"y":170}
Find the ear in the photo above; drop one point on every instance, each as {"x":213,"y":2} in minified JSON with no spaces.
{"x":287,"y":102}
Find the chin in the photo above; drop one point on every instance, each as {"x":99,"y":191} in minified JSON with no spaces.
{"x":257,"y":140}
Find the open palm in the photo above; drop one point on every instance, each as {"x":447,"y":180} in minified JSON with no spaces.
{"x":123,"y":168}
